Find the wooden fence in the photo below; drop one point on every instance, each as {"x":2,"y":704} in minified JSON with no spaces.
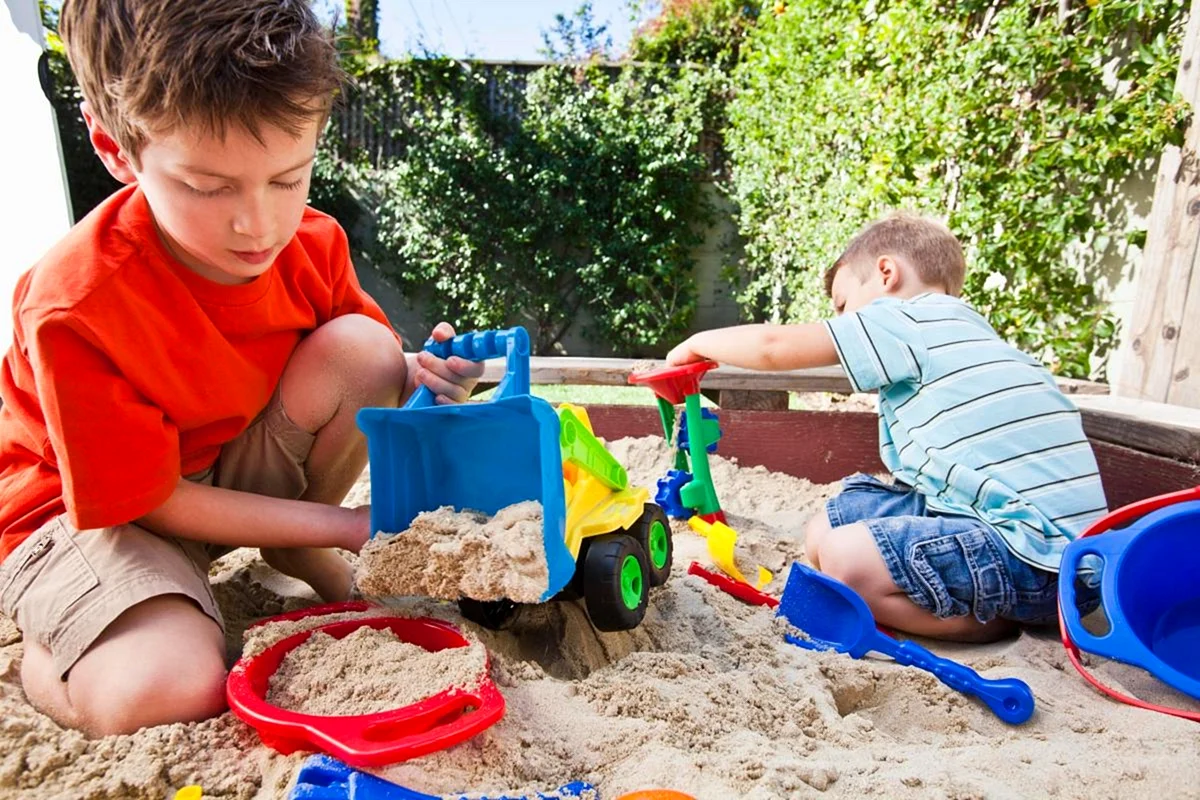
{"x":372,"y":124}
{"x":1143,"y":448}
{"x":1160,"y":350}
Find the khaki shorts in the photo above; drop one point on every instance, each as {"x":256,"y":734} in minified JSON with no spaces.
{"x":63,"y":587}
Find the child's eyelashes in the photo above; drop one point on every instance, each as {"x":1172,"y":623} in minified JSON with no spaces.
{"x":289,"y":186}
{"x":206,"y":192}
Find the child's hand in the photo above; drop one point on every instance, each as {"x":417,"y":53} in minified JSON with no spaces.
{"x":451,"y":379}
{"x":683,"y":353}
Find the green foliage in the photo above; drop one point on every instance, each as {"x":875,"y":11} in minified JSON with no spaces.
{"x":332,"y":187}
{"x":88,"y":180}
{"x":1017,"y":125}
{"x":585,"y":206}
{"x":707,"y":32}
{"x":578,"y":37}
{"x":362,"y":22}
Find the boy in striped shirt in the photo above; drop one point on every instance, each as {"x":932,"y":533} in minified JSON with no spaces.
{"x":993,"y":475}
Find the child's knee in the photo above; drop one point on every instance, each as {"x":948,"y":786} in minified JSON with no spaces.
{"x":816,"y":530}
{"x":165,"y":688}
{"x":162,"y":661}
{"x":358,"y":346}
{"x":850,"y":555}
{"x":348,"y":362}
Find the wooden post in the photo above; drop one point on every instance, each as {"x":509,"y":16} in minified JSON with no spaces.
{"x":1160,"y":352}
{"x":749,"y":400}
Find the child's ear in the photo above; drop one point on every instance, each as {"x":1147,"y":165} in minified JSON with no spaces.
{"x":889,"y":273}
{"x":106,"y":147}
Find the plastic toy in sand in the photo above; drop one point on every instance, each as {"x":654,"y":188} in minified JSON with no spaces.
{"x":834,"y":617}
{"x":325,"y":778}
{"x":604,"y":540}
{"x":722,"y":541}
{"x":365,"y":740}
{"x":1149,"y":591}
{"x":687,"y":491}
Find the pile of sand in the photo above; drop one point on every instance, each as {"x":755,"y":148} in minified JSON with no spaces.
{"x":704,"y":697}
{"x":368,"y":671}
{"x":449,"y":554}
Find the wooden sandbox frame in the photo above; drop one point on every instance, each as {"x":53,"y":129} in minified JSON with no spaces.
{"x":1143,"y":448}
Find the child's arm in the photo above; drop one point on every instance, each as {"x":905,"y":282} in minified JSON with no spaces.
{"x":243,"y":519}
{"x":764,"y":347}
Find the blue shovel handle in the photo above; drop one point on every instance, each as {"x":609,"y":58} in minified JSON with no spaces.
{"x":1009,"y":698}
{"x":511,"y":344}
{"x":325,"y":778}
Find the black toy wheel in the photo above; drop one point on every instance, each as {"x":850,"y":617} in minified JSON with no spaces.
{"x":653,"y":532}
{"x":495,"y":615}
{"x":616,"y":583}
{"x":574,"y":588}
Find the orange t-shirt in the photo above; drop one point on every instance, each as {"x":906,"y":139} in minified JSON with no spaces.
{"x":128,"y":370}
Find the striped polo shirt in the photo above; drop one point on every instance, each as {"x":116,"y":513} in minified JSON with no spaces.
{"x":975,"y":425}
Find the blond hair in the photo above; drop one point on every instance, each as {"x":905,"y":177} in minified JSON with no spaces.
{"x":147,"y":67}
{"x":925,"y":243}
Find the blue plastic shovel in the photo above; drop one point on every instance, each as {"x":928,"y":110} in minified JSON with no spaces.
{"x":325,"y":778}
{"x":835,"y":617}
{"x":481,"y":456}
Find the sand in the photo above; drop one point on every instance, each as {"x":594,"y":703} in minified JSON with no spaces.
{"x":449,"y":554}
{"x":704,"y":697}
{"x":368,"y":671}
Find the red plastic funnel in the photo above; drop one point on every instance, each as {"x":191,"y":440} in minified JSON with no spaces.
{"x":673,"y":384}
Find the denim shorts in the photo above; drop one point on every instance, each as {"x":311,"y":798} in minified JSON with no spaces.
{"x":947,"y":564}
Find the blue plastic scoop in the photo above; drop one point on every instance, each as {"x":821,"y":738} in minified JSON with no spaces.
{"x":835,"y":617}
{"x":325,"y":778}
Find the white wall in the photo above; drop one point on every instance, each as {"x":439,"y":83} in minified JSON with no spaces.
{"x":34,"y":208}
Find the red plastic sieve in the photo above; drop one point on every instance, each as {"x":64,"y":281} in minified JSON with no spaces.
{"x":365,"y":740}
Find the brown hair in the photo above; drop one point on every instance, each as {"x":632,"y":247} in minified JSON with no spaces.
{"x":926,"y":244}
{"x":149,"y":66}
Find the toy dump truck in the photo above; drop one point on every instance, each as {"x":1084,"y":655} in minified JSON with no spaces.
{"x":604,"y":540}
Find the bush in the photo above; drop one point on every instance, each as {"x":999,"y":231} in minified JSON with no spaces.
{"x":1016,"y":124}
{"x":584,"y":205}
{"x":707,"y":32}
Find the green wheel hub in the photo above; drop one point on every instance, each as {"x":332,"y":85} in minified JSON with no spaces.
{"x":631,"y":582}
{"x":659,"y":544}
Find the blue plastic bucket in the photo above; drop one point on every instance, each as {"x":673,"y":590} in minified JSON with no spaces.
{"x":1150,"y":591}
{"x":478,"y":456}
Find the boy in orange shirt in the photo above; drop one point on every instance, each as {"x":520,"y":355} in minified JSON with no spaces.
{"x":187,"y":363}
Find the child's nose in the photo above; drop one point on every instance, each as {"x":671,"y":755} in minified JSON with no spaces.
{"x":253,"y":218}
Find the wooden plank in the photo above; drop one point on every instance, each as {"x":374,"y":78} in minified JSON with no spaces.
{"x":753,"y":400}
{"x":557,"y":370}
{"x":1129,"y":475}
{"x":1156,"y":428}
{"x":1184,"y":386}
{"x":821,"y":446}
{"x":825,"y":446}
{"x":1149,"y":350}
